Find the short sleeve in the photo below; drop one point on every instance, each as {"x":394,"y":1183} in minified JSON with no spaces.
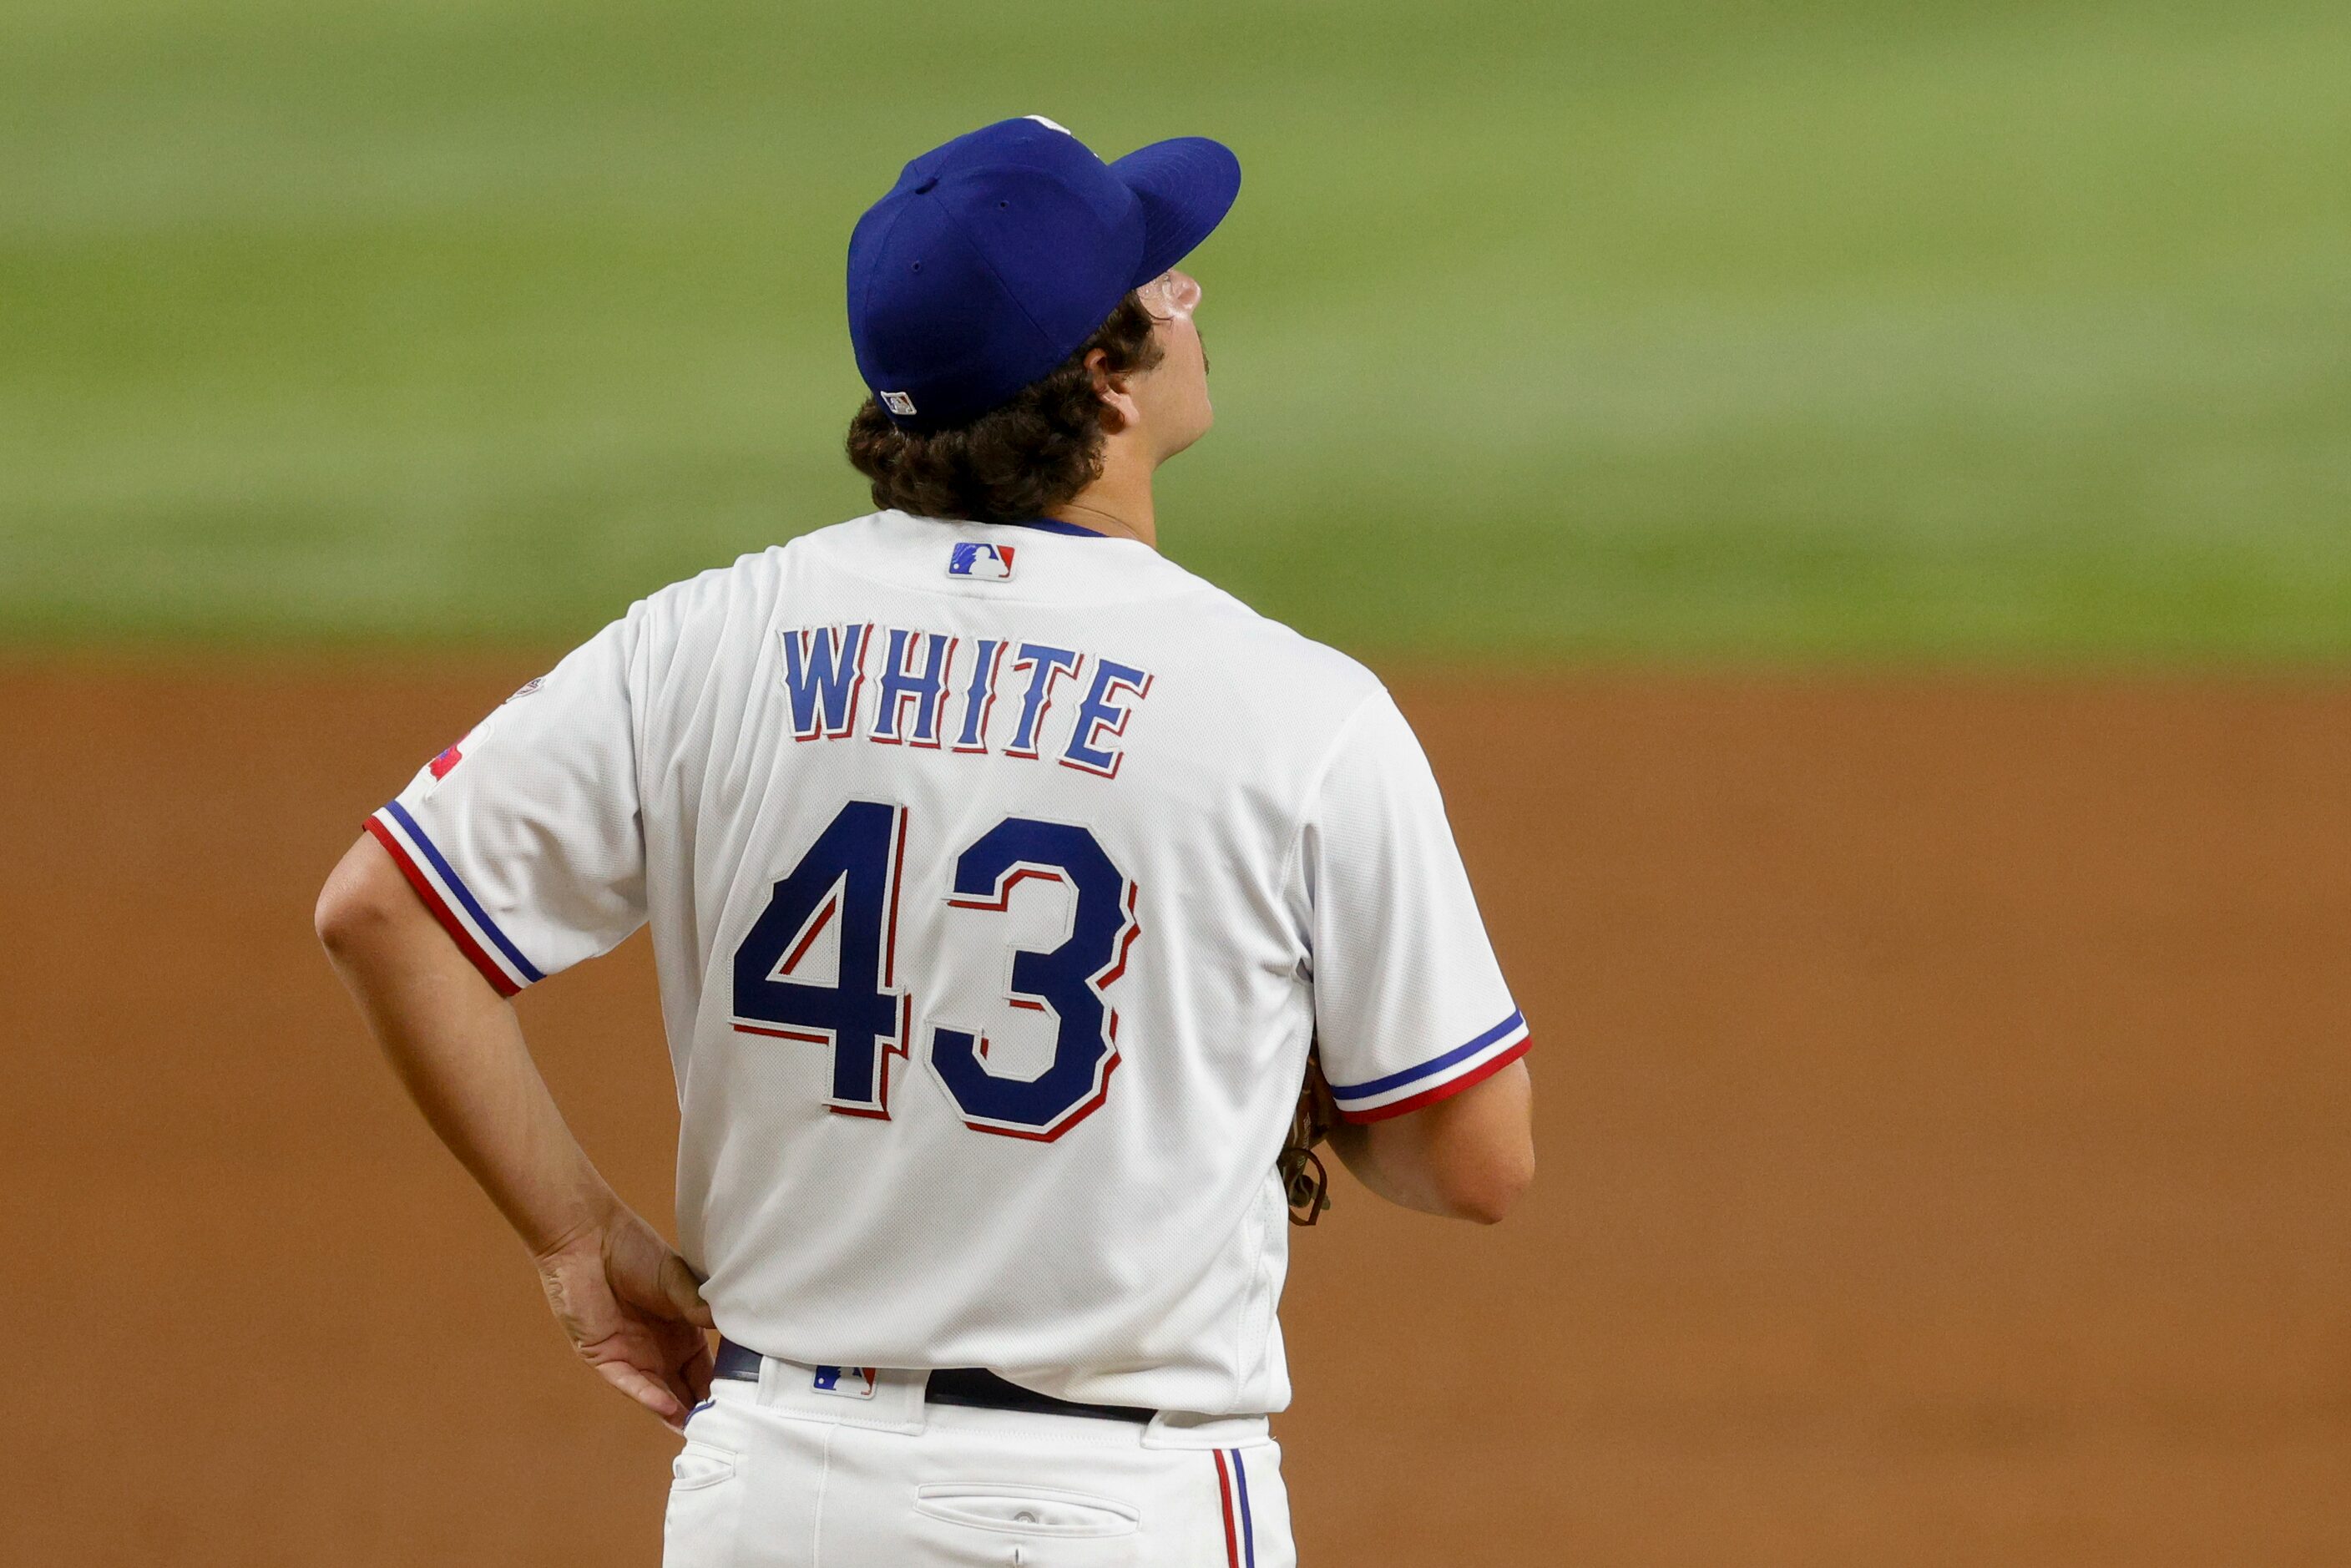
{"x":524,"y":839}
{"x":1409,"y":1003}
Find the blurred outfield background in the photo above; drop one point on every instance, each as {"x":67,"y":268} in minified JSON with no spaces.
{"x":1625,"y":328}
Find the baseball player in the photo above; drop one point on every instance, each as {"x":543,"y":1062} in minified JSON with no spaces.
{"x":1002,"y":876}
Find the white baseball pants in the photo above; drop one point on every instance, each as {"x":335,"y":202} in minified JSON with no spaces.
{"x":867,"y":1474}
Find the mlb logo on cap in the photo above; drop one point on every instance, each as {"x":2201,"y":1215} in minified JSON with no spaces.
{"x":991,"y":563}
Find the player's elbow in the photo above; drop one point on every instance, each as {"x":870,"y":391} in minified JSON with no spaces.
{"x":1486,"y":1188}
{"x":357,"y":903}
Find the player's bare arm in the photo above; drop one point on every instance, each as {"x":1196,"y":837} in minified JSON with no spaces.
{"x":627,"y":1301}
{"x":1469,"y":1157}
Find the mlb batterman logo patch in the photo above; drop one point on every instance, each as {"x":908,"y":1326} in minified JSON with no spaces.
{"x":898,"y":403}
{"x":985,"y":562}
{"x":847,"y":1382}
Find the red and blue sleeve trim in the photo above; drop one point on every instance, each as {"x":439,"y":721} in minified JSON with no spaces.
{"x":1437,"y":1078}
{"x":453,"y":904}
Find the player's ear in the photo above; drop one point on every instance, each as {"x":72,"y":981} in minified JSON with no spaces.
{"x":1119,"y":409}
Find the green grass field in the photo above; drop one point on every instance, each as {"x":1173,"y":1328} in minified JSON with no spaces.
{"x":1844,"y":329}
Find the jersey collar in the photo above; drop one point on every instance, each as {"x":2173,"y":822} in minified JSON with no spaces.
{"x":1055,"y":526}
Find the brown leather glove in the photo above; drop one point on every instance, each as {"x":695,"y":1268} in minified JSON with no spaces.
{"x":1303,"y":1180}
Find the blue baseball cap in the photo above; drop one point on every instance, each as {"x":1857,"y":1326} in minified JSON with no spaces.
{"x":996,"y":255}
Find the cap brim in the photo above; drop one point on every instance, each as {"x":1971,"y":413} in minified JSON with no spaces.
{"x":1186,"y":186}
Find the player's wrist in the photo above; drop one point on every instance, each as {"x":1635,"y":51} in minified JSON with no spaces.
{"x":586,"y":1226}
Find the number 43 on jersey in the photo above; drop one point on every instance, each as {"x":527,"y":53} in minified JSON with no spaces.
{"x":850,"y":877}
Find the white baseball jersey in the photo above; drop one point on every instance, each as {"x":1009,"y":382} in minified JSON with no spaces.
{"x":999,"y":877}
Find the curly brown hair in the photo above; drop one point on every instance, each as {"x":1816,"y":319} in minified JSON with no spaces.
{"x":1020,"y":459}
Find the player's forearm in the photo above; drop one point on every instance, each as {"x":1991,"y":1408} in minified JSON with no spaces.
{"x":458,"y":1050}
{"x":1395,"y":1179}
{"x":1394,"y":1162}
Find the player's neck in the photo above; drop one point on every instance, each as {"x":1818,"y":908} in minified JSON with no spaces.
{"x":1119,"y":503}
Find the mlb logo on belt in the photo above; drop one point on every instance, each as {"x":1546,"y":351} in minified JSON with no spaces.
{"x":847,"y":1382}
{"x":989,"y":562}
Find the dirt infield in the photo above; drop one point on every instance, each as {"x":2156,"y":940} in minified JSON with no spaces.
{"x":1946,"y":1117}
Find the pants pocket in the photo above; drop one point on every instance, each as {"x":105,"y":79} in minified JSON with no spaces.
{"x":706,"y":1503}
{"x":998,"y":1524}
{"x":1041,"y":1512}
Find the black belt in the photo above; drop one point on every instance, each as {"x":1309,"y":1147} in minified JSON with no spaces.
{"x":973,"y":1386}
